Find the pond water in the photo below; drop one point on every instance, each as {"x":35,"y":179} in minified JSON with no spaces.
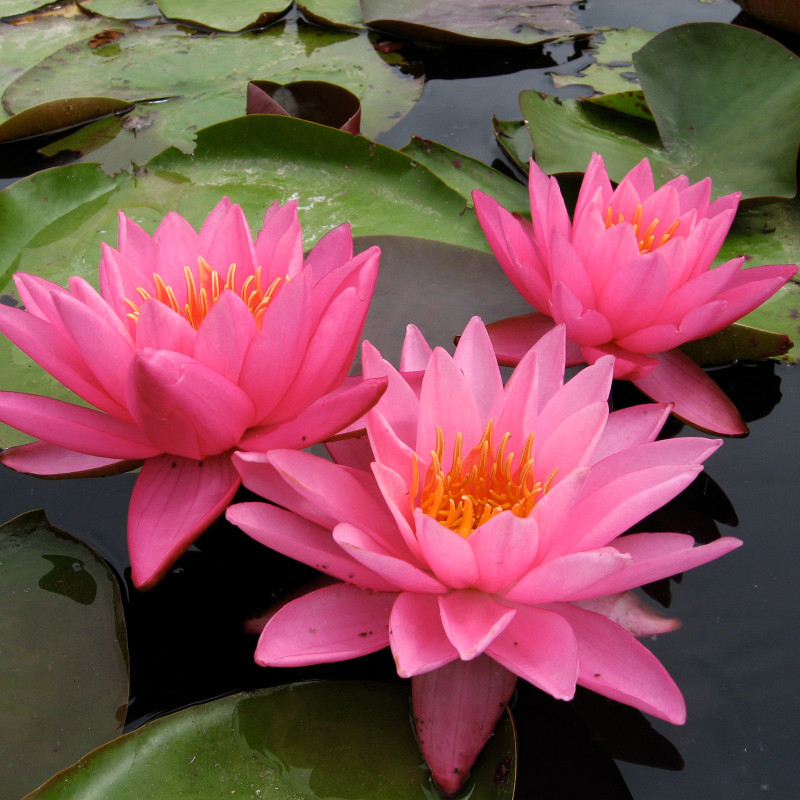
{"x":735,"y":656}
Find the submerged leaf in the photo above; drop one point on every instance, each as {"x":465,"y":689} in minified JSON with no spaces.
{"x":64,"y":670}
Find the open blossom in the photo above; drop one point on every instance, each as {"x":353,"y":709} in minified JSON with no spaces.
{"x":197,"y":344}
{"x":629,"y":276}
{"x":483,"y":541}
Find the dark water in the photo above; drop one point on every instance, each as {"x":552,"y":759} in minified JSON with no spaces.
{"x":735,"y":656}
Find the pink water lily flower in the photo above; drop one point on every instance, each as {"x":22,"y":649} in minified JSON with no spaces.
{"x":197,"y":344}
{"x":483,"y":541}
{"x":629,"y":276}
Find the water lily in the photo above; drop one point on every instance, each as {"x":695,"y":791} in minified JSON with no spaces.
{"x":197,"y":344}
{"x":479,"y":537}
{"x":629,"y":276}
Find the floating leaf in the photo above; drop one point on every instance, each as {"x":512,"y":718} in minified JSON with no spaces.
{"x":513,"y":139}
{"x":737,"y":343}
{"x":206,"y":79}
{"x":336,"y":13}
{"x":311,"y":740}
{"x":478,"y":22}
{"x":464,"y":174}
{"x":316,"y":101}
{"x":739,"y":89}
{"x":224,"y":16}
{"x":122,"y":9}
{"x":64,"y":670}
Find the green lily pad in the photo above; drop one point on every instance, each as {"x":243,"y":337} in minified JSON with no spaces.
{"x":737,"y":343}
{"x":122,"y":9}
{"x":335,"y":13}
{"x":64,"y":670}
{"x":739,"y":89}
{"x":484,"y":22}
{"x":612,"y":70}
{"x":51,"y":224}
{"x":464,"y":174}
{"x":308,"y":740}
{"x":10,"y":8}
{"x":224,"y":16}
{"x":164,"y":60}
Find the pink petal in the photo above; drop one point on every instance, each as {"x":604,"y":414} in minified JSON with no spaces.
{"x":224,"y":336}
{"x":322,"y":419}
{"x":416,"y":351}
{"x":475,"y":358}
{"x":567,"y":577}
{"x":569,"y":270}
{"x":630,"y":427}
{"x":279,"y":244}
{"x":456,"y":709}
{"x":297,"y":538}
{"x":504,"y":549}
{"x":614,"y":664}
{"x":513,"y":337}
{"x":188,"y":408}
{"x":658,"y":555}
{"x":351,"y":451}
{"x":585,"y":325}
{"x":212,"y":222}
{"x":630,"y":612}
{"x":400,"y":574}
{"x":178,"y":247}
{"x":472,"y":620}
{"x":627,"y":365}
{"x":446,"y":402}
{"x":77,"y":428}
{"x":388,"y":448}
{"x":41,"y":458}
{"x":695,"y":397}
{"x":174,"y":500}
{"x":134,"y":243}
{"x":331,"y":251}
{"x":396,"y":496}
{"x":229,"y":242}
{"x":160,"y":328}
{"x":334,"y":623}
{"x":418,"y":641}
{"x":448,"y":555}
{"x":539,"y":646}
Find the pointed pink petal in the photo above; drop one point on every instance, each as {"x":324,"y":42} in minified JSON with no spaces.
{"x":627,"y":365}
{"x":418,"y":641}
{"x":539,"y":646}
{"x":614,"y":664}
{"x":448,"y":555}
{"x":37,"y":297}
{"x":334,"y":623}
{"x":475,"y":358}
{"x":398,"y":573}
{"x":416,"y":351}
{"x":587,"y":326}
{"x":331,"y":251}
{"x":77,"y":428}
{"x":189,"y":409}
{"x":472,"y":620}
{"x":514,"y":336}
{"x":211,"y":224}
{"x":695,"y":397}
{"x":230,"y":243}
{"x":41,"y":458}
{"x":388,"y":449}
{"x":178,"y":247}
{"x":658,"y":555}
{"x":630,"y":612}
{"x":456,"y":709}
{"x":279,"y":244}
{"x":135,"y":244}
{"x":446,"y":403}
{"x":567,"y":577}
{"x":504,"y":549}
{"x":224,"y":336}
{"x":174,"y":500}
{"x":297,"y":538}
{"x":324,"y":418}
{"x":630,"y":427}
{"x":351,"y":451}
{"x":395,"y":494}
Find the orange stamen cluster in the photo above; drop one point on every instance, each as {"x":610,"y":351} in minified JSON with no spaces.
{"x":646,"y":239}
{"x":477,"y":486}
{"x":200,"y":298}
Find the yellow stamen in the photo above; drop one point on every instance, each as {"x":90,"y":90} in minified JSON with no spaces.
{"x":478,"y":485}
{"x":204,"y":289}
{"x":646,"y":240}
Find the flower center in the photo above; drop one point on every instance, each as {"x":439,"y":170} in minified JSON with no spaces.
{"x":203,"y":292}
{"x":647,"y":240}
{"x":477,"y":486}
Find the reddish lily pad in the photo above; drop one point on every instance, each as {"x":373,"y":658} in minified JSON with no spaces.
{"x":316,"y":101}
{"x":739,"y":89}
{"x":308,"y":740}
{"x":478,"y":22}
{"x":64,"y":665}
{"x":236,"y":16}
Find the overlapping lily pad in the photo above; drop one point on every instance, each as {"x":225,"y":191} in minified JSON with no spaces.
{"x":225,"y":16}
{"x":205,"y":79}
{"x":122,"y":9}
{"x":738,"y":89}
{"x":64,"y":665}
{"x":336,"y":13}
{"x":483,"y":22}
{"x":313,"y":741}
